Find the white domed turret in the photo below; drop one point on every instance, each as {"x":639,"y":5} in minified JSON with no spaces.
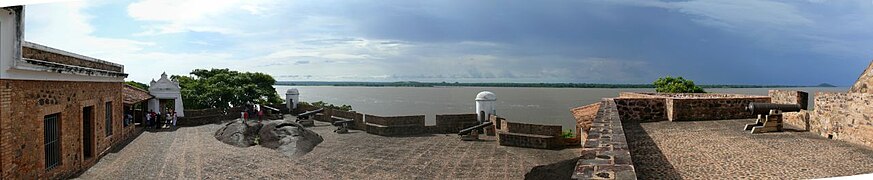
{"x":485,"y":105}
{"x":292,"y":98}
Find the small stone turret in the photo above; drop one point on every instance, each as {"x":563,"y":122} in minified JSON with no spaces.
{"x":485,"y":105}
{"x":292,"y":97}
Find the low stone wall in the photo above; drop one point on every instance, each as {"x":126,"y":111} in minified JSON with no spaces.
{"x":396,"y":125}
{"x":641,"y":109}
{"x":789,"y":97}
{"x":528,"y":135}
{"x":686,"y":106}
{"x":605,"y":154}
{"x":710,"y":108}
{"x":796,"y":120}
{"x":584,"y":117}
{"x":843,"y":116}
{"x":453,"y":123}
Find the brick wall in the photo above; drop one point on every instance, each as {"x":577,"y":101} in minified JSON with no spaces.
{"x":584,"y":116}
{"x":396,"y":125}
{"x":691,"y":109}
{"x":864,"y":84}
{"x":453,"y":123}
{"x":789,"y":97}
{"x":844,"y":116}
{"x":641,"y":109}
{"x":25,"y":103}
{"x":535,"y":129}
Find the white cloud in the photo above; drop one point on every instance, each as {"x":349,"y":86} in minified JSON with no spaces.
{"x":177,"y":16}
{"x":65,"y":26}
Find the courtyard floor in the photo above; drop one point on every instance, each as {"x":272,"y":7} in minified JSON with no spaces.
{"x":193,"y":153}
{"x":722,"y":150}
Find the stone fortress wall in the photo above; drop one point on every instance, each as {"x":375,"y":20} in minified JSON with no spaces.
{"x":685,"y":106}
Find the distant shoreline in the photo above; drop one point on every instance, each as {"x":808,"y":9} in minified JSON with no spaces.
{"x":532,"y":85}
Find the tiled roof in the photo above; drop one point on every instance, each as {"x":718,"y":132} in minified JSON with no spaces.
{"x":133,"y":95}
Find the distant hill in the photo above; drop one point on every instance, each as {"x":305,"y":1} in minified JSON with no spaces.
{"x":825,"y":85}
{"x":547,"y":85}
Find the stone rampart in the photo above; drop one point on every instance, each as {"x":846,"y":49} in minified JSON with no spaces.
{"x":605,"y":153}
{"x":692,"y":109}
{"x":843,"y":116}
{"x":789,"y":97}
{"x":395,"y":125}
{"x":453,"y":123}
{"x":641,"y":109}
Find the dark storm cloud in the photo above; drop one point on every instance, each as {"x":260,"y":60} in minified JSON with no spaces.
{"x":631,"y":41}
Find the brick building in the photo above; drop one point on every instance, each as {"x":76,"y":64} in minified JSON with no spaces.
{"x":59,"y":111}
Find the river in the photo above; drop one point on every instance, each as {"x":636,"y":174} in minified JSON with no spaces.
{"x":530,"y":105}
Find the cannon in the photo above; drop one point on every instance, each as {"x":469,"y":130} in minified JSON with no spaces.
{"x":342,"y":124}
{"x":472,"y":133}
{"x":769,"y":116}
{"x":764,"y":108}
{"x":305,"y":115}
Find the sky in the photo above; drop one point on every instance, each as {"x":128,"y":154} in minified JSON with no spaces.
{"x":796,"y":42}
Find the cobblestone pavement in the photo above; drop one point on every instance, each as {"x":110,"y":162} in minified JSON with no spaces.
{"x":193,"y":153}
{"x":722,"y":150}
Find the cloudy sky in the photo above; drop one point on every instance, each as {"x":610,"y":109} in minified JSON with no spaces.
{"x":796,"y":42}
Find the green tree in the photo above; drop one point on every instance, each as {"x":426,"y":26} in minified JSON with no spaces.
{"x":219,"y":88}
{"x":138,"y":85}
{"x":676,"y":85}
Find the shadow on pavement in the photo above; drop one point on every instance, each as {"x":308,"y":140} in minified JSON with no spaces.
{"x":649,"y":161}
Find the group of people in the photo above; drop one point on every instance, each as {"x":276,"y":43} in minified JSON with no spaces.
{"x":252,"y":109}
{"x":155,"y":120}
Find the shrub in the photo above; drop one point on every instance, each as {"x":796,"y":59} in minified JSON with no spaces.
{"x":676,"y":85}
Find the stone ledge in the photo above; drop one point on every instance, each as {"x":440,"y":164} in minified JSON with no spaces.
{"x":605,"y":154}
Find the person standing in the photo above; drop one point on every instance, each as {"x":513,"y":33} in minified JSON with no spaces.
{"x":260,"y":111}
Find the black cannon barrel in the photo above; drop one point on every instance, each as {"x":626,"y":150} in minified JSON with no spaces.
{"x":339,"y":121}
{"x":305,"y":115}
{"x":468,"y":130}
{"x":764,"y":108}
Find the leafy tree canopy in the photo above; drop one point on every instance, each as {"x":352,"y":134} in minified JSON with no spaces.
{"x":676,"y":85}
{"x":221,"y":88}
{"x":138,"y":85}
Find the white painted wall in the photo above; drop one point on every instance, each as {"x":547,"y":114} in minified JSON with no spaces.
{"x":485,"y":102}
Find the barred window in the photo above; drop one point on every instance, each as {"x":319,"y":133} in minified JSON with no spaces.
{"x":108,"y":119}
{"x":52,"y":140}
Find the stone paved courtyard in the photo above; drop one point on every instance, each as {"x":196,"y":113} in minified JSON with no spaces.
{"x":721,"y":150}
{"x":193,"y":153}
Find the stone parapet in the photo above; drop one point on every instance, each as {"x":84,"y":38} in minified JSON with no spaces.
{"x":864,"y":84}
{"x":789,"y":97}
{"x":796,"y":120}
{"x":452,"y":123}
{"x":641,"y":109}
{"x":605,"y":154}
{"x":694,"y":109}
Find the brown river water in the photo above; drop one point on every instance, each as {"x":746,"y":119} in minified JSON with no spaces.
{"x":530,"y":105}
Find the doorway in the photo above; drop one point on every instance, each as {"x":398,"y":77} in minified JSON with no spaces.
{"x":87,"y":137}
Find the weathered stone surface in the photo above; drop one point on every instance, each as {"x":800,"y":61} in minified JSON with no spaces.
{"x":605,"y":154}
{"x":584,"y":117}
{"x":641,"y":109}
{"x":789,"y":97}
{"x":796,"y":120}
{"x":865,"y":82}
{"x":291,"y":139}
{"x":238,"y":134}
{"x":844,"y":116}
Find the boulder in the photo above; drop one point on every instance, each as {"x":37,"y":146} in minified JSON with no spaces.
{"x":238,"y":134}
{"x":289,"y":138}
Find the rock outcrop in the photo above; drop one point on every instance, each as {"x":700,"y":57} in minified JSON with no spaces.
{"x":238,"y":134}
{"x":289,"y":138}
